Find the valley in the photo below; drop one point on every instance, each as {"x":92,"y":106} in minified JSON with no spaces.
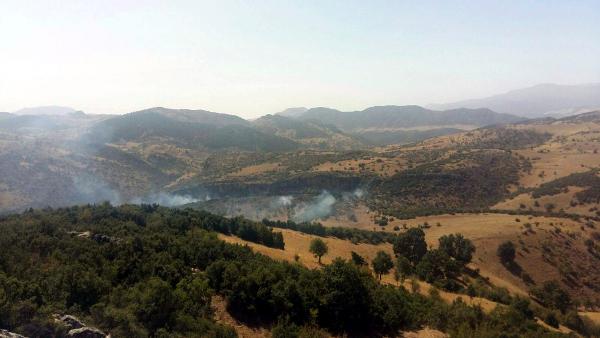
{"x":533,"y":183}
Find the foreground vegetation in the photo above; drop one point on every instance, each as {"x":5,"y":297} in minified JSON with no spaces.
{"x":138,"y":271}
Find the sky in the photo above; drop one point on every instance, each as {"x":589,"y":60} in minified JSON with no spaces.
{"x":251,"y":58}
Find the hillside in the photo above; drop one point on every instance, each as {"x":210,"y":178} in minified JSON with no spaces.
{"x":531,"y":183}
{"x":383,"y":125}
{"x":537,"y":101}
{"x":310,"y":133}
{"x":192,"y":129}
{"x":107,"y":269}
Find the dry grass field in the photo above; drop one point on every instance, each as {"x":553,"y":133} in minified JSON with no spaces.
{"x":546,"y":246}
{"x":297,"y":243}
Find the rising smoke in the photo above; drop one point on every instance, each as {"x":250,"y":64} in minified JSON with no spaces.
{"x":320,"y":207}
{"x":90,"y":189}
{"x":167,"y":199}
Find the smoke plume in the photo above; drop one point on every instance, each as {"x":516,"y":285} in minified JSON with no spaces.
{"x":320,"y":207}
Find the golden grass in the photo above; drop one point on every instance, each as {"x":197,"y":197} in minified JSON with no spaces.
{"x":593,"y":316}
{"x":297,"y":243}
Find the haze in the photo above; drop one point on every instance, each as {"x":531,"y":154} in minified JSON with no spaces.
{"x":252,"y":58}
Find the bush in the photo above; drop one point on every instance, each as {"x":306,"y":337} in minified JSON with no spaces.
{"x":506,"y":251}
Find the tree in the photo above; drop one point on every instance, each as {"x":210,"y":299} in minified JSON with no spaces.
{"x":411,"y":245}
{"x":552,"y":295}
{"x":318,"y":248}
{"x":403,"y":269}
{"x":345,"y":294}
{"x":357,"y":259}
{"x":382,"y":263}
{"x":457,"y":247}
{"x":436,"y":266}
{"x":506,"y":252}
{"x":155,"y":303}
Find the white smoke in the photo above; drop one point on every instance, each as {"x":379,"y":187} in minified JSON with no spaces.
{"x":285,"y":201}
{"x":92,"y":190}
{"x":168,"y":200}
{"x":320,"y":207}
{"x":358,"y":193}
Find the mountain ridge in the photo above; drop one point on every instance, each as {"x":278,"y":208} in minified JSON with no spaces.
{"x":537,"y":100}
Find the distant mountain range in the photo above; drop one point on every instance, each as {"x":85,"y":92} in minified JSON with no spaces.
{"x":401,"y":124}
{"x":538,"y":101}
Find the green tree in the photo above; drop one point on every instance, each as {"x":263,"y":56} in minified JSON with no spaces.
{"x":506,"y":251}
{"x":436,"y":266}
{"x":318,"y":248}
{"x":357,"y":259}
{"x":382,"y":263}
{"x":403,"y":269}
{"x":411,"y":244}
{"x":457,"y":247}
{"x":552,"y":295}
{"x":155,"y":304}
{"x":346,"y":300}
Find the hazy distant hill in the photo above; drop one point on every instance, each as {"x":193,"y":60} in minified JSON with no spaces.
{"x":33,"y":123}
{"x":45,"y":110}
{"x":190,"y":128}
{"x":405,"y":117}
{"x":196,"y":116}
{"x":310,"y":133}
{"x":538,"y":100}
{"x":293,"y":112}
{"x":382,"y":125}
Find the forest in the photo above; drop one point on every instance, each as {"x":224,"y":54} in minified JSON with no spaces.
{"x":139,"y":271}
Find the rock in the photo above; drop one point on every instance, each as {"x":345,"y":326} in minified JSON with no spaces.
{"x":86,"y":332}
{"x":8,"y":334}
{"x":69,"y":321}
{"x":77,"y":328}
{"x":100,"y":238}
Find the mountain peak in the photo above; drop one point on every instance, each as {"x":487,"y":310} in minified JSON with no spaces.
{"x":46,"y":110}
{"x":539,"y":100}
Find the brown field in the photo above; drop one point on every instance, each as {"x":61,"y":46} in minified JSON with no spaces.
{"x":542,"y":251}
{"x":560,"y":201}
{"x":594,"y":316}
{"x":557,"y":163}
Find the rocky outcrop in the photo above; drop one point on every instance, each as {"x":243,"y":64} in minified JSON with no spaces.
{"x":69,"y":321}
{"x":77,"y":328}
{"x":86,"y":332}
{"x":8,"y":334}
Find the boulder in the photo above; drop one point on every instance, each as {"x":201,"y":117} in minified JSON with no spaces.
{"x":69,"y":321}
{"x":8,"y":334}
{"x":86,"y":332}
{"x":77,"y":328}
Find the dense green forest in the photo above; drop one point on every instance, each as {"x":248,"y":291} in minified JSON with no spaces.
{"x":138,"y":271}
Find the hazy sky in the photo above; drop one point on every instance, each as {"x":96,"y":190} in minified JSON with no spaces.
{"x":256,"y":57}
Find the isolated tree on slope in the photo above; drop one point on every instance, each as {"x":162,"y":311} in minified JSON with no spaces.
{"x":411,"y":245}
{"x":318,"y":248}
{"x":382,"y":263}
{"x":506,"y":252}
{"x":457,"y":247}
